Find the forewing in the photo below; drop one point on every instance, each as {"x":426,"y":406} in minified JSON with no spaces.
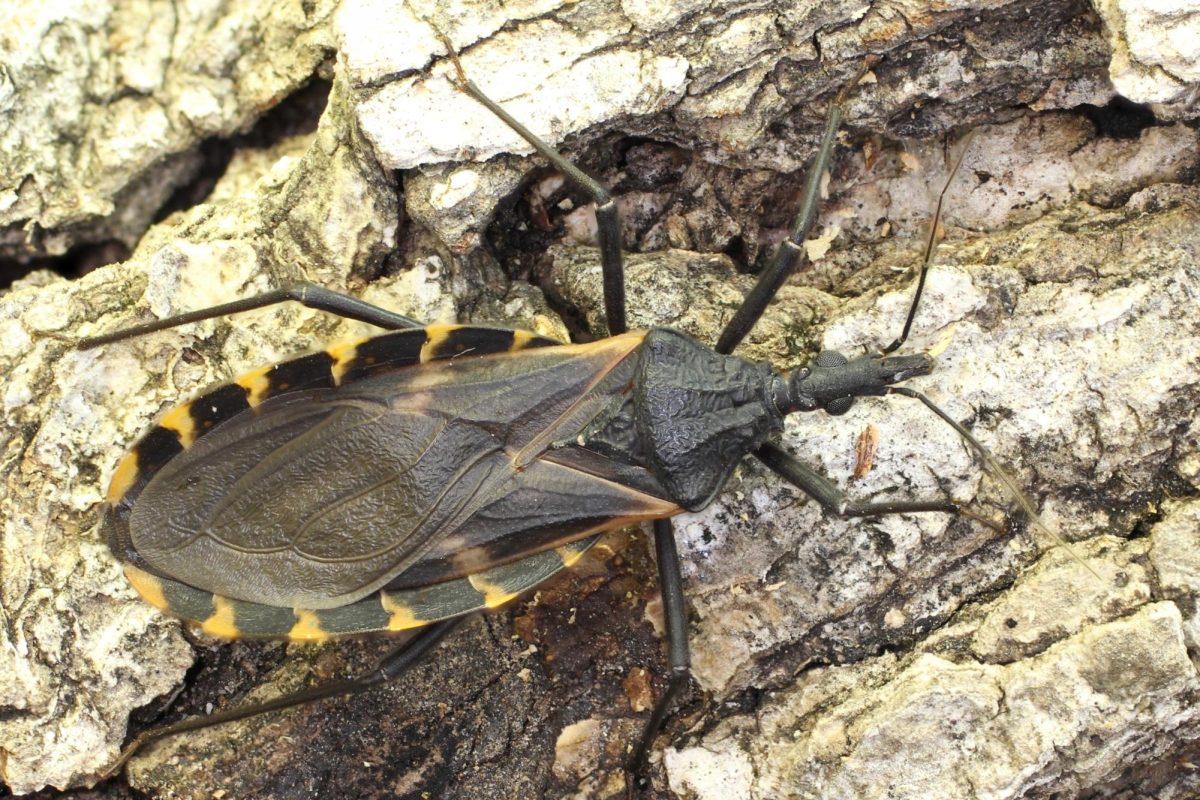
{"x":310,"y":502}
{"x":316,"y":498}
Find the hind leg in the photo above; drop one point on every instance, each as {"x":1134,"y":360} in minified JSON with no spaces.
{"x":393,"y":665}
{"x":306,"y":294}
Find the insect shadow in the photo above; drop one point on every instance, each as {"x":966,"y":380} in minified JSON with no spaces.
{"x":383,"y":485}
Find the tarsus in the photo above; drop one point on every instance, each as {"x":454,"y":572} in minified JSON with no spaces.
{"x":1000,"y":474}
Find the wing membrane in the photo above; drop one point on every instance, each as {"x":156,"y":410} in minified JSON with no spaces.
{"x":316,"y":498}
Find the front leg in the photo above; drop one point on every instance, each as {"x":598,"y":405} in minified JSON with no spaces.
{"x":833,"y":499}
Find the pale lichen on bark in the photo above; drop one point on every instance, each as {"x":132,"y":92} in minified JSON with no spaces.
{"x":105,"y":104}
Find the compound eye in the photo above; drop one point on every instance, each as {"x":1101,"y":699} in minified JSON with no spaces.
{"x":831,"y":358}
{"x":839,"y":406}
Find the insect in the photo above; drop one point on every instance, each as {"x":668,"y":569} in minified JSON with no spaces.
{"x":383,"y":485}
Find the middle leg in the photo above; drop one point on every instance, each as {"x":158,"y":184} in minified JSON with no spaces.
{"x":670,"y":584}
{"x":791,"y":253}
{"x":608,"y":221}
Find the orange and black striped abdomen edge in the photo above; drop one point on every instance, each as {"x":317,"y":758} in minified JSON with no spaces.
{"x":388,"y":611}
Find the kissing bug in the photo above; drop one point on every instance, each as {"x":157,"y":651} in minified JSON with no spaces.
{"x":652,"y":421}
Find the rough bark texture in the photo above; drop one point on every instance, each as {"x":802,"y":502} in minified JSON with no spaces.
{"x":105,"y":103}
{"x":907,"y":657}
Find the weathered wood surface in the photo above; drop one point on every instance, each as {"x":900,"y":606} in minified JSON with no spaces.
{"x":914,"y":657}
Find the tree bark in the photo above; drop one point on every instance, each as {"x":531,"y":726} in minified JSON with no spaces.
{"x":916,"y":656}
